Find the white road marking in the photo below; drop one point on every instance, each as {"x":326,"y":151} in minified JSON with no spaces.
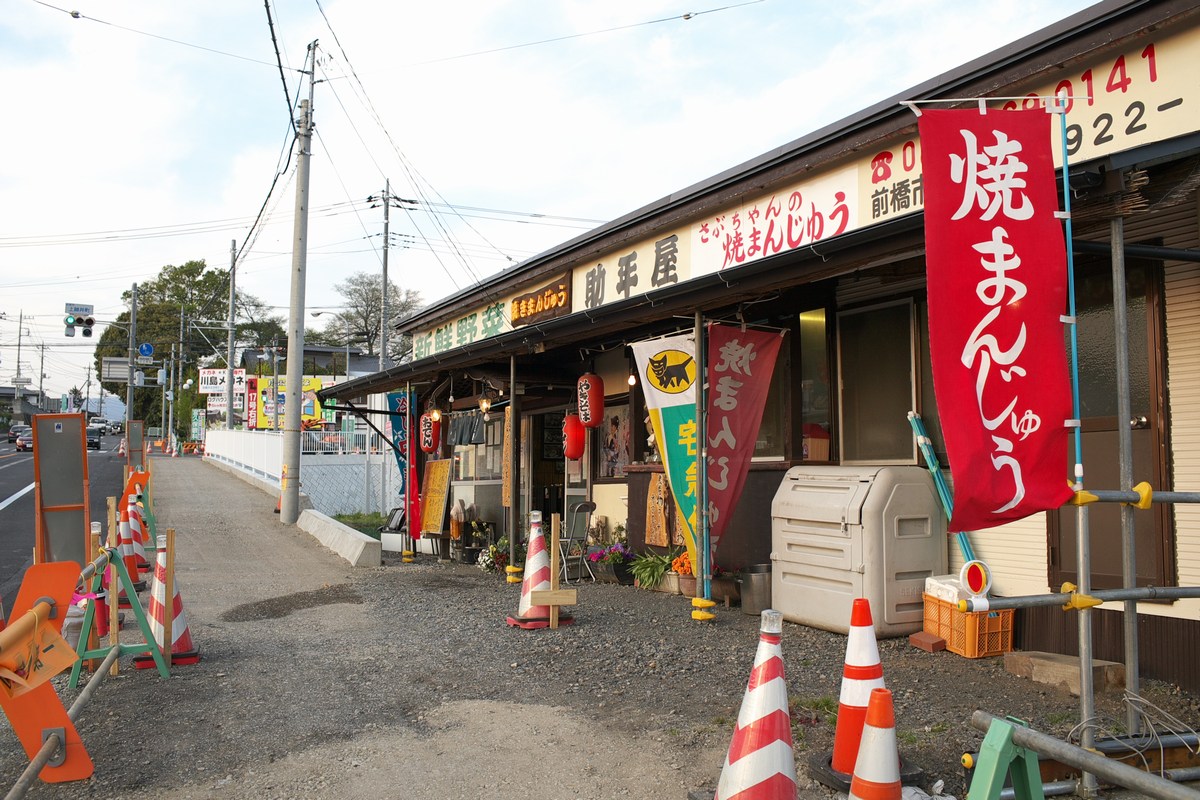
{"x":16,"y":497}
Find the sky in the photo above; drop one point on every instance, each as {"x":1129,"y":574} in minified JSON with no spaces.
{"x":140,"y":135}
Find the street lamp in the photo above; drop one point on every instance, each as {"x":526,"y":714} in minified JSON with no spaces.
{"x":347,"y":321}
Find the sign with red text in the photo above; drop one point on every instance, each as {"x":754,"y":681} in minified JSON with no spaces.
{"x":997,"y":287}
{"x":740,"y":364}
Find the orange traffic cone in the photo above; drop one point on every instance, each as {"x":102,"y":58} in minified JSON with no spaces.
{"x":760,"y":764}
{"x":278,"y":503}
{"x":121,"y":448}
{"x":877,"y":770}
{"x":537,"y":577}
{"x":183,"y":651}
{"x":861,"y":674}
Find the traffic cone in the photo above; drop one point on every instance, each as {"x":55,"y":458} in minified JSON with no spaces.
{"x":183,"y":651}
{"x":278,"y":503}
{"x":121,"y":448}
{"x":127,"y":555}
{"x":760,"y":764}
{"x":861,"y":674}
{"x":138,"y":537}
{"x":537,"y":577}
{"x":877,"y":769}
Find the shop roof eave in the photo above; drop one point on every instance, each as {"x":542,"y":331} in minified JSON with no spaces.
{"x":710,"y":291}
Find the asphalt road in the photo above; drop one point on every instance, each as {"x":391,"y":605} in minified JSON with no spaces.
{"x":17,"y":505}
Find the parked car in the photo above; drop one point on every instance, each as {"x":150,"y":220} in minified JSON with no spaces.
{"x":15,"y":430}
{"x":25,"y":440}
{"x":94,"y":434}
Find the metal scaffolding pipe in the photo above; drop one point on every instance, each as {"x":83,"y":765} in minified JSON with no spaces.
{"x":53,"y":742}
{"x":1063,"y":598}
{"x":1118,"y":496}
{"x":1113,"y":771}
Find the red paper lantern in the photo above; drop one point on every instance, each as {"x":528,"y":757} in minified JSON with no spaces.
{"x":573,"y":436}
{"x":429,"y":432}
{"x":589,"y":393}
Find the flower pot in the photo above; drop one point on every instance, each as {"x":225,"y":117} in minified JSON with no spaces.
{"x":623,"y":574}
{"x":687,"y":585}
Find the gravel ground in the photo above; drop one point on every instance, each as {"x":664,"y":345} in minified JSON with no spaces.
{"x":322,"y":681}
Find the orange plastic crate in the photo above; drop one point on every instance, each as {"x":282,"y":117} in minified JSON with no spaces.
{"x":973,"y":634}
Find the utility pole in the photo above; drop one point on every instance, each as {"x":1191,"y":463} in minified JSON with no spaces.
{"x":87,"y":393}
{"x":229,"y":340}
{"x":171,"y":393}
{"x":289,"y":504}
{"x":132,"y":339}
{"x":384,"y":361}
{"x":17,"y":383}
{"x":42,"y":378}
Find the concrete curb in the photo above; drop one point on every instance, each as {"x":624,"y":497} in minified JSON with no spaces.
{"x":269,"y":486}
{"x":357,"y":548}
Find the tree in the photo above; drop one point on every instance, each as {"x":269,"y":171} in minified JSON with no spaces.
{"x":195,"y":297}
{"x":362,"y":306}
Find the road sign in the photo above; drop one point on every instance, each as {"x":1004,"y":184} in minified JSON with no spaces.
{"x":21,"y":381}
{"x":145,"y":360}
{"x":145,"y":349}
{"x":79,"y":310}
{"x":114,"y":370}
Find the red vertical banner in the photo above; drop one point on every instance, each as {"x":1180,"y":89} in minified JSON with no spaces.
{"x":997,"y":289}
{"x":740,"y":365}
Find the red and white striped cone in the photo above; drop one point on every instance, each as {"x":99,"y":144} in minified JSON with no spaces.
{"x":877,"y":770}
{"x":126,"y":553}
{"x":138,"y":537}
{"x":761,"y":764}
{"x":861,"y":674}
{"x":537,"y":577}
{"x":183,"y":651}
{"x":121,"y":448}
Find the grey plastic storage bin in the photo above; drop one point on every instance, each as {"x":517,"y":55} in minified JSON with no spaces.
{"x":840,"y":533}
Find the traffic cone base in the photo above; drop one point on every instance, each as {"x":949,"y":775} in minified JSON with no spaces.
{"x":532,"y":623}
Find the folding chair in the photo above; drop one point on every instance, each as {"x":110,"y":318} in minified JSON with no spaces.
{"x":579,"y":520}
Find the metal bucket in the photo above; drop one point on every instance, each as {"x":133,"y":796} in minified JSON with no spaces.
{"x":755,"y":582}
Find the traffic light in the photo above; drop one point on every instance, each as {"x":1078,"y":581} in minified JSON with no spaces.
{"x":87,"y":323}
{"x":70,"y":320}
{"x":161,"y":378}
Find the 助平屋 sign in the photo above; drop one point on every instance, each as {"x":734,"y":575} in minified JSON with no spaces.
{"x":212,"y":381}
{"x":997,"y":287}
{"x":740,"y":364}
{"x":668,"y":376}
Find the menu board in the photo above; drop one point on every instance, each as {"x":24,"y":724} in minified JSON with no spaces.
{"x":434,"y":495}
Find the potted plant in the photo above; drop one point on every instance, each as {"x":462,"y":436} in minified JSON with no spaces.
{"x":617,"y":558}
{"x":649,"y":569}
{"x":682,"y":566}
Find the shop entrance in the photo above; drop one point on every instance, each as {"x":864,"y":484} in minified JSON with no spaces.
{"x":554,"y":484}
{"x":1098,"y":408}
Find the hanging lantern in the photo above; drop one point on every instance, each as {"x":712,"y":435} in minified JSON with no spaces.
{"x":429,"y":432}
{"x":573,"y":437}
{"x":589,"y":393}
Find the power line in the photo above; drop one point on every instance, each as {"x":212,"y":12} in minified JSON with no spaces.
{"x":685,"y":16}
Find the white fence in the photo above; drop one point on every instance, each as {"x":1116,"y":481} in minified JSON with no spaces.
{"x":337,"y":479}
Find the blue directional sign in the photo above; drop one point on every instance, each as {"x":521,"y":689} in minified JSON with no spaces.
{"x":146,"y":349}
